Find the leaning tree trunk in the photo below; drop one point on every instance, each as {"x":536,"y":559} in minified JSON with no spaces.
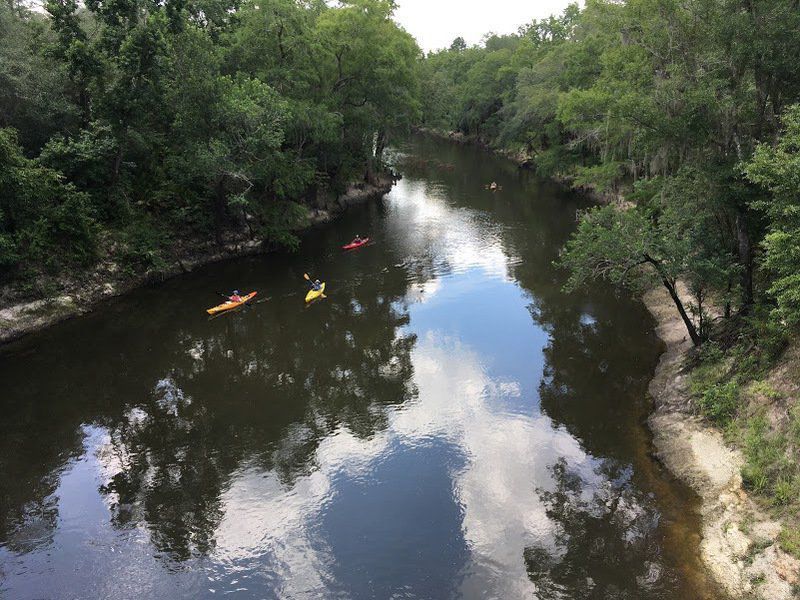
{"x":696,"y":339}
{"x":380,"y":145}
{"x":669,"y":283}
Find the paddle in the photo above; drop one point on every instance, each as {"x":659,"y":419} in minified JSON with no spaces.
{"x":306,"y":277}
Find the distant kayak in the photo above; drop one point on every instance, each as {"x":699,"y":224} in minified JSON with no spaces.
{"x":354,"y":245}
{"x":229,"y":305}
{"x":314,"y":294}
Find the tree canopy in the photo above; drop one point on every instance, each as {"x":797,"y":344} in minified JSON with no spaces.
{"x":126,"y":124}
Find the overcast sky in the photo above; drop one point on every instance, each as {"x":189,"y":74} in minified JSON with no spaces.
{"x":436,"y":23}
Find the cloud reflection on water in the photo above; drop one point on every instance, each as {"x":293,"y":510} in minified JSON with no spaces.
{"x":438,"y":239}
{"x":508,"y":460}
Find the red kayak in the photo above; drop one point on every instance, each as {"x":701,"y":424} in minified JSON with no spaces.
{"x":354,"y":245}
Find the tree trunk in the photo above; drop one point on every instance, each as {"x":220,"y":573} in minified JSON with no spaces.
{"x":116,"y":168}
{"x":85,"y":109}
{"x":745,"y":249}
{"x":670,"y":285}
{"x":219,"y":207}
{"x":369,"y":171}
{"x":696,"y":339}
{"x":380,"y":146}
{"x":727,"y":311}
{"x":701,"y":323}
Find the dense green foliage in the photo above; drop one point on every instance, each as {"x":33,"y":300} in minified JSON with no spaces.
{"x":663,"y":103}
{"x":133,"y":124}
{"x":776,"y":167}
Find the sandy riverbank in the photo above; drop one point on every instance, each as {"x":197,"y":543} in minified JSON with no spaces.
{"x":739,"y":545}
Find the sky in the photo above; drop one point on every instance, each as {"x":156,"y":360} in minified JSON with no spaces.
{"x":436,"y":23}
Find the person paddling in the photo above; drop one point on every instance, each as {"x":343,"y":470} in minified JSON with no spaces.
{"x":235,"y":297}
{"x":357,"y":240}
{"x":317,"y":288}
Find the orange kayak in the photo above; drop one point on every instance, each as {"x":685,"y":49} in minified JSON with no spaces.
{"x":229,"y":305}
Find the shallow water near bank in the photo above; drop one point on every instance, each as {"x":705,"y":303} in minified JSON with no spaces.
{"x":446,"y":423}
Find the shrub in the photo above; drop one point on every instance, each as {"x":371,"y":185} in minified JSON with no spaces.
{"x":280,"y":220}
{"x":8,"y":251}
{"x":761,"y":342}
{"x":761,"y":455}
{"x":143,"y":245}
{"x":763,"y":388}
{"x":720,"y":401}
{"x":64,"y":234}
{"x":785,"y":490}
{"x":602,"y":177}
{"x":767,"y":468}
{"x":789,"y":540}
{"x":43,"y":220}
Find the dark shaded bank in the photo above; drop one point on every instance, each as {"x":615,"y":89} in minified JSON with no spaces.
{"x":71,"y":296}
{"x":519,"y":158}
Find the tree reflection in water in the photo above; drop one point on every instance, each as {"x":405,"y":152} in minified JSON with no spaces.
{"x":284,"y":391}
{"x":607,"y":545}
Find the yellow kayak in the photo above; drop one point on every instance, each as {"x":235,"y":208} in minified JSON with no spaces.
{"x":314,"y":294}
{"x":229,"y":305}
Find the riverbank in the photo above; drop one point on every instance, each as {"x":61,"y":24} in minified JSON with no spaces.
{"x":73,"y":296}
{"x":740,"y":542}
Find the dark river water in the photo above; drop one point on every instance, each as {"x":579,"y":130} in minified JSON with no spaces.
{"x":447,"y":423}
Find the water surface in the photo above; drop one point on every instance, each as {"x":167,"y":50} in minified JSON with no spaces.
{"x":447,"y":423}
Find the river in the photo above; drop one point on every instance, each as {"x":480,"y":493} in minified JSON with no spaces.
{"x":447,"y":423}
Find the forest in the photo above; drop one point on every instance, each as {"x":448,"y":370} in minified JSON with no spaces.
{"x":126,"y":125}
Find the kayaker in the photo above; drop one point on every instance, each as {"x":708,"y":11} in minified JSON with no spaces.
{"x":235,"y":297}
{"x":357,"y":240}
{"x":316,"y":285}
